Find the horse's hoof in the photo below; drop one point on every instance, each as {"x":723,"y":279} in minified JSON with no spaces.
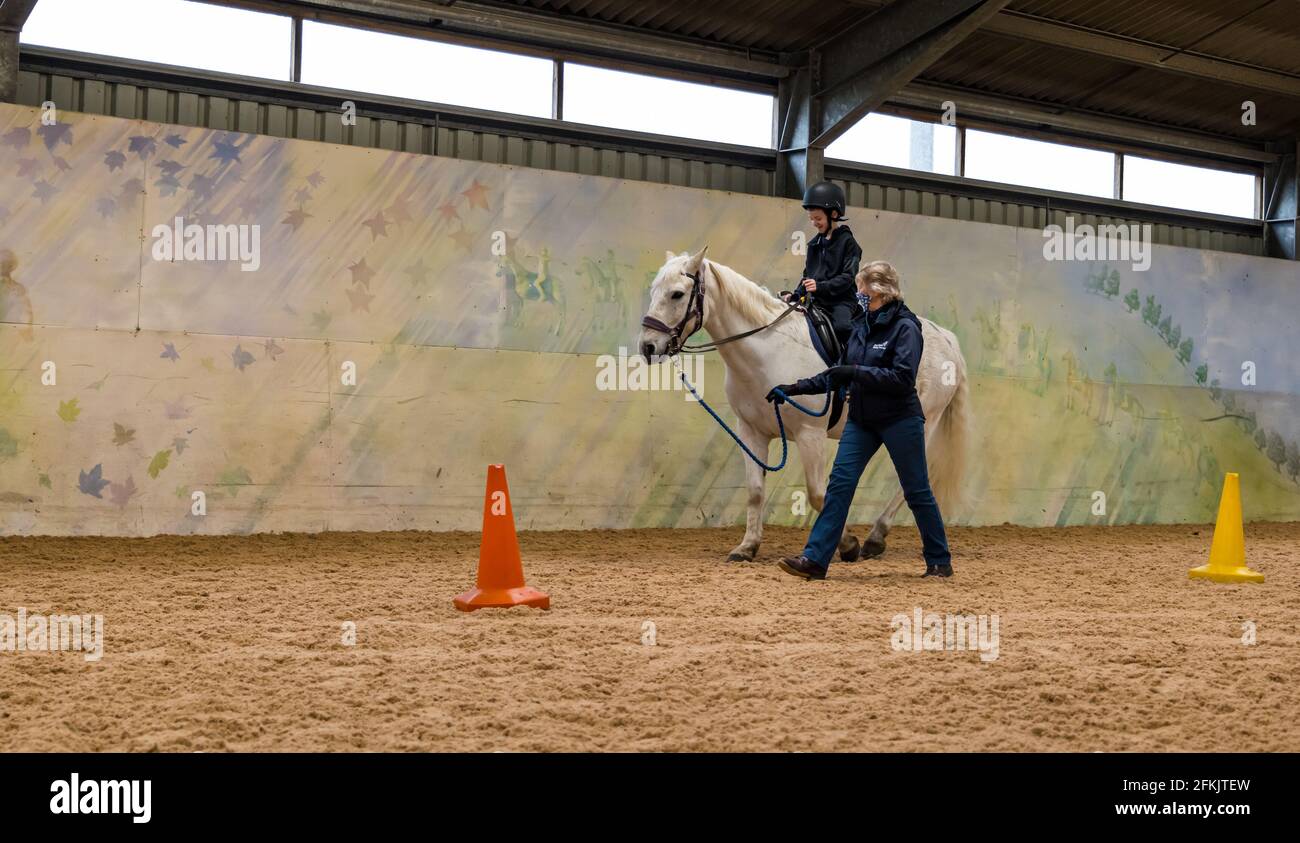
{"x":740,"y":557}
{"x":853,"y":553}
{"x":871,"y":548}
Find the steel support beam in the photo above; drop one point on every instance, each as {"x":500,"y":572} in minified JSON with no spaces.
{"x":1182,"y":60}
{"x":1142,"y":53}
{"x":13,"y":14}
{"x":863,"y":66}
{"x":854,"y":73}
{"x":1282,"y":189}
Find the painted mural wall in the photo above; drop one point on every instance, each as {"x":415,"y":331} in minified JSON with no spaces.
{"x":396,"y":322}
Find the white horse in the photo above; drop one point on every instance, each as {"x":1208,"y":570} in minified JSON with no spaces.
{"x":725,"y":303}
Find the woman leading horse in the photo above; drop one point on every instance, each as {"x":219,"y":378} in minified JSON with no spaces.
{"x":880,"y":367}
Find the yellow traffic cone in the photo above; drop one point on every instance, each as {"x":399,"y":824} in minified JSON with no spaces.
{"x":1228,"y":550}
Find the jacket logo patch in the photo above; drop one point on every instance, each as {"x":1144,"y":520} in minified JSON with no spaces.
{"x":880,"y":346}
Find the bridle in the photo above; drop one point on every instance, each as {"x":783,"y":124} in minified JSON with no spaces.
{"x":695,"y":307}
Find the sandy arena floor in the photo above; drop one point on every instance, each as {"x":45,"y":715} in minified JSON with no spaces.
{"x":234,"y":643}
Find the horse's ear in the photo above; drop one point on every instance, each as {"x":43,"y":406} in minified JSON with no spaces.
{"x":697,"y":260}
{"x":669,"y":255}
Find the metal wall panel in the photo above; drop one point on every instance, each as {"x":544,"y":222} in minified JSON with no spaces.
{"x":95,"y":96}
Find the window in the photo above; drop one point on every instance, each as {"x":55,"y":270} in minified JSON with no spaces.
{"x":666,"y":106}
{"x":413,"y":68}
{"x":1034,"y":163}
{"x":176,"y":32}
{"x":899,"y":142}
{"x":1193,"y":188}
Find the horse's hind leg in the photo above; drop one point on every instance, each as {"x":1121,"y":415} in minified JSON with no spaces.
{"x":875,"y":544}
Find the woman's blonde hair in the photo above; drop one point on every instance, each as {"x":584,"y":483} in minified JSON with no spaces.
{"x":880,"y":277}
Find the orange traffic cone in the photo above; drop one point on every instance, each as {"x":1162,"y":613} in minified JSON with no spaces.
{"x":500,"y":570}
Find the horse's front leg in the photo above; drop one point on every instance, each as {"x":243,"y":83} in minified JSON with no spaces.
{"x":812,"y":445}
{"x":755,"y":475}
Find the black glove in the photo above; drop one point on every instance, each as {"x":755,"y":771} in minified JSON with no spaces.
{"x":841,"y":375}
{"x":786,"y":389}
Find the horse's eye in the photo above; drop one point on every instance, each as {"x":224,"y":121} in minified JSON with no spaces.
{"x":678,"y":294}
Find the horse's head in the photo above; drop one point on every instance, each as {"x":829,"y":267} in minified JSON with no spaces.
{"x":676,"y":305}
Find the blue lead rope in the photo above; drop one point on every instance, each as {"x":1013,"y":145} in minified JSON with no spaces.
{"x":776,"y":407}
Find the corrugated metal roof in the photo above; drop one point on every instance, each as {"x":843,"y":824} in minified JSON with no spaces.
{"x":1261,"y":34}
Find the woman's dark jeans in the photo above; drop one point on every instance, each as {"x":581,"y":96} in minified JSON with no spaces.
{"x":905,"y":441}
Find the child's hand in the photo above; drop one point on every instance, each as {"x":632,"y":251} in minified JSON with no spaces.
{"x":810,"y":284}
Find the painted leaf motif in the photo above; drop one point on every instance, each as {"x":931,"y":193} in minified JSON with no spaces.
{"x":121,"y":493}
{"x":159,"y":462}
{"x":92,"y":482}
{"x":122,"y":435}
{"x":235,"y":477}
{"x":242,"y":358}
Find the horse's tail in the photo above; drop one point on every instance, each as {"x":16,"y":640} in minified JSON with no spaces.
{"x":948,"y":458}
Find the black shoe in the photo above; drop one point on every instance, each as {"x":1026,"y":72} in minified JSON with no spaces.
{"x":938,"y":571}
{"x":802,"y":566}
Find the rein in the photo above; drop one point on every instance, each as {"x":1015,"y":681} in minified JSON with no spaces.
{"x":780,"y":424}
{"x":695,"y":307}
{"x":676,"y":333}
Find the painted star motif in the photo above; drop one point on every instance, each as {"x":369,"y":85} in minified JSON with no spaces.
{"x":360,"y":300}
{"x":273,"y":351}
{"x":26,"y":167}
{"x":296,"y":218}
{"x":400,"y":210}
{"x":315,"y":179}
{"x":447,"y":211}
{"x":418,"y":272}
{"x":320,"y":320}
{"x":464,"y":240}
{"x":377,"y":225}
{"x":301,"y":195}
{"x":477,"y":195}
{"x":114,"y":160}
{"x":361,"y":274}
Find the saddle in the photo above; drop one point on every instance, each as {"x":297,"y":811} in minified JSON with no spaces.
{"x":822,"y":333}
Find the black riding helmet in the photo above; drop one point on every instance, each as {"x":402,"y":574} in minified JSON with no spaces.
{"x":825,"y":195}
